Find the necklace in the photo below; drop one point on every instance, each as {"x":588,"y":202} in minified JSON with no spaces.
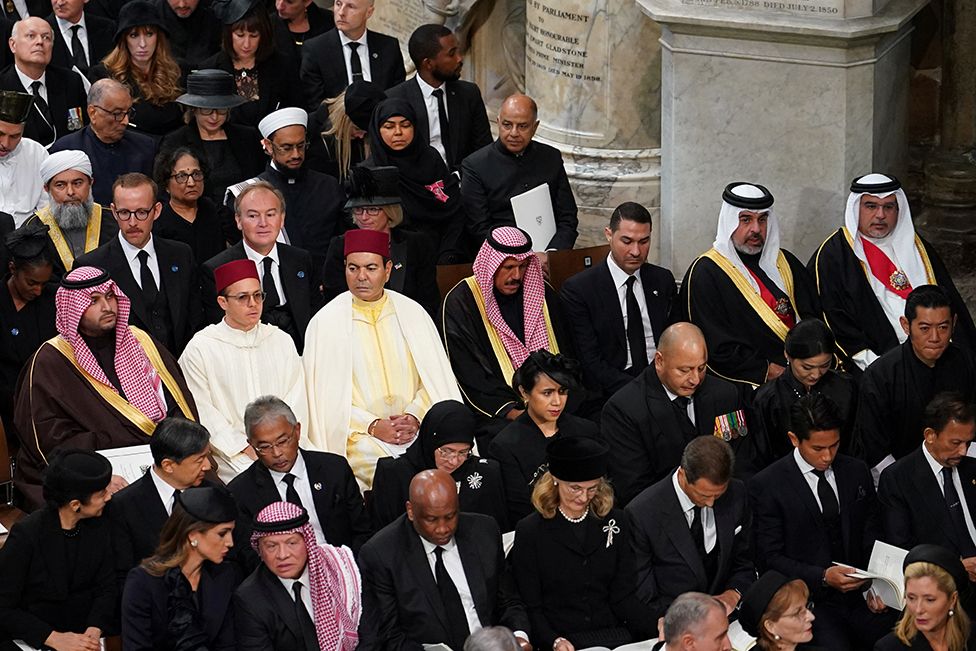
{"x":71,"y":533}
{"x":576,"y":520}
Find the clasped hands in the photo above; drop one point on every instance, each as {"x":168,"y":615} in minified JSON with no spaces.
{"x":397,"y":430}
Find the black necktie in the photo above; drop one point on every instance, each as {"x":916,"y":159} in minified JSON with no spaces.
{"x":149,"y":290}
{"x":309,"y":636}
{"x":684,"y":421}
{"x":954,"y":504}
{"x":828,"y":499}
{"x":635,"y":329}
{"x":698,"y":531}
{"x":41,"y":104}
{"x":355,"y":65}
{"x":445,"y":125}
{"x":77,"y":49}
{"x":268,"y":285}
{"x":291,"y":494}
{"x":457,"y":619}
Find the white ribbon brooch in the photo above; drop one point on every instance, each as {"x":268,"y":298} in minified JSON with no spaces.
{"x":611,"y":529}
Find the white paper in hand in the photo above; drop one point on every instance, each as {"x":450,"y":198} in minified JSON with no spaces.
{"x":129,"y":463}
{"x":533,"y":214}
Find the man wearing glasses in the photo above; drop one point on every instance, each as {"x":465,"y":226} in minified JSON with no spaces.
{"x":314,"y":199}
{"x":158,"y":275}
{"x":285,"y":471}
{"x":114,"y":148}
{"x":228,"y":363}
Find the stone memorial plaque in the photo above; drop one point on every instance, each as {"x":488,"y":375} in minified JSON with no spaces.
{"x":811,"y":8}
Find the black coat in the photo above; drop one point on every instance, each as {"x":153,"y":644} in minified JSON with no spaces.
{"x":137,"y":516}
{"x":667,"y":562}
{"x":101,"y":40}
{"x":323,"y":71}
{"x":397,"y":575}
{"x":467,"y":116}
{"x":890,"y":642}
{"x":278,"y":87}
{"x":593,"y":309}
{"x":40,"y":593}
{"x":178,"y":280}
{"x":65,"y":93}
{"x":580,"y":588}
{"x":206,"y":236}
{"x":640,"y":425}
{"x":338,"y":502}
{"x":147,"y":601}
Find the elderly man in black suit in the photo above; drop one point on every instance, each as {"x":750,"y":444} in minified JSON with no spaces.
{"x":692,"y":531}
{"x":437,"y":574}
{"x":650,"y":420}
{"x":816,"y":507}
{"x":332,"y":61}
{"x":288,"y":277}
{"x":619,"y":310}
{"x":181,"y":458}
{"x":320,"y":482}
{"x":60,"y":101}
{"x":158,"y":275}
{"x":81,"y":39}
{"x":451,"y":114}
{"x":929,"y":496}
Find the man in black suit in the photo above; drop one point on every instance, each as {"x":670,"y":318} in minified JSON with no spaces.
{"x":332,"y":61}
{"x":650,"y":420}
{"x":437,"y":574}
{"x":619,"y":310}
{"x":181,"y":457}
{"x":260,"y":214}
{"x":816,"y":507}
{"x":929,"y":496}
{"x":63,"y":106}
{"x":320,"y":482}
{"x":693,"y":530}
{"x":440,"y":98}
{"x":81,"y":39}
{"x":158,"y":275}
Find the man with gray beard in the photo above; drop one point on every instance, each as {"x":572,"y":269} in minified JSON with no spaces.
{"x":77,"y":224}
{"x":745,"y":293}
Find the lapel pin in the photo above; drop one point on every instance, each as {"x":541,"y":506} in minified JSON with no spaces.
{"x":654,"y":292}
{"x":15,"y":332}
{"x":317,"y":486}
{"x":174,"y":268}
{"x":301,"y":274}
{"x":398,"y":265}
{"x":375,"y":55}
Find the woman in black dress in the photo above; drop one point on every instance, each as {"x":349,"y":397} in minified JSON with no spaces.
{"x":933,"y":619}
{"x":572,"y":558}
{"x":26,"y":309}
{"x":179,"y":599}
{"x":58,"y":572}
{"x":445,"y":442}
{"x":188,"y":216}
{"x":777,"y":612}
{"x":544,"y":381}
{"x":809,"y":359}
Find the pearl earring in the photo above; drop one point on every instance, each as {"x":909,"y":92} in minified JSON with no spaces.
{"x":951,"y":612}
{"x":555,"y":483}
{"x":776,"y":637}
{"x":194,"y":543}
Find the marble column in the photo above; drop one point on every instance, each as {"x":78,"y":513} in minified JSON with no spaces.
{"x":593,"y":67}
{"x":799,"y":95}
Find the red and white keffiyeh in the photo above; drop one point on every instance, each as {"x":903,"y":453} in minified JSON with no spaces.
{"x":140,"y":381}
{"x":487,"y":262}
{"x":334,"y":577}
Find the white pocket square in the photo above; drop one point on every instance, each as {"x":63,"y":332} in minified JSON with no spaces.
{"x":737,"y":530}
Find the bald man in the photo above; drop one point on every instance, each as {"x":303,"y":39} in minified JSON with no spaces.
{"x":650,"y":420}
{"x":513,"y":164}
{"x":436,"y":575}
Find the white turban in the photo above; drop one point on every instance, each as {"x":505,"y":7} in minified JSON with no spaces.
{"x":69,"y":159}
{"x":281,"y":118}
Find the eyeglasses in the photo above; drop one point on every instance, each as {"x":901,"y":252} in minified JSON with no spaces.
{"x":289,"y":148}
{"x":801,"y":613}
{"x":575,"y":490}
{"x":118,"y":116}
{"x":283,"y":442}
{"x":142,"y":214}
{"x":257,"y":297}
{"x":211,"y":111}
{"x":183,"y":177}
{"x":372,"y":211}
{"x":452,"y":455}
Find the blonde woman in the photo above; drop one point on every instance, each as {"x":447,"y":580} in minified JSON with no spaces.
{"x":337,"y":129}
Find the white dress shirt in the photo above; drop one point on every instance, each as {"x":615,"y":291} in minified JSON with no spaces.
{"x":66,"y":32}
{"x":620,"y":277}
{"x":132,"y":257}
{"x":812,"y":480}
{"x":433,"y":115}
{"x":707,"y":515}
{"x":27,"y":81}
{"x":167,"y":494}
{"x":306,"y":591}
{"x":304,"y":489}
{"x":691,"y":403}
{"x":937,"y":471}
{"x":275,"y":268}
{"x":21,"y":189}
{"x":362,"y":51}
{"x":452,"y":563}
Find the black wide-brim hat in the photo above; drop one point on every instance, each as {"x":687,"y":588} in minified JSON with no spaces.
{"x":229,"y":12}
{"x":138,"y":13}
{"x":372,"y":186}
{"x":211,"y":89}
{"x":756,"y":599}
{"x":578,"y":458}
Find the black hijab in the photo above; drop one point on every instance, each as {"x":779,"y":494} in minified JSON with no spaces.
{"x":448,"y":421}
{"x":420,"y":166}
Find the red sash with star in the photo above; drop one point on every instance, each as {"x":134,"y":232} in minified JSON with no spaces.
{"x":882,"y":268}
{"x":781,"y":307}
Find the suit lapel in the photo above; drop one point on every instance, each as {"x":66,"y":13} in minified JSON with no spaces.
{"x":676,"y":526}
{"x":266,"y":489}
{"x":660,"y":405}
{"x":169,"y":275}
{"x":118,"y":267}
{"x":724,"y":533}
{"x":657,"y":308}
{"x":846,"y":497}
{"x":416,"y":99}
{"x":420,"y":567}
{"x":321,"y":498}
{"x":282,"y":602}
{"x":454,"y":111}
{"x":606,"y":289}
{"x":474,"y":573}
{"x":802,"y":489}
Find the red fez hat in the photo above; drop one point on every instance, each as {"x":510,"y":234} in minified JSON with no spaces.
{"x":360,"y":240}
{"x":230,"y":273}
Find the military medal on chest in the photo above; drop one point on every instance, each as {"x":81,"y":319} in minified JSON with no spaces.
{"x":899,"y":280}
{"x":783,"y":308}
